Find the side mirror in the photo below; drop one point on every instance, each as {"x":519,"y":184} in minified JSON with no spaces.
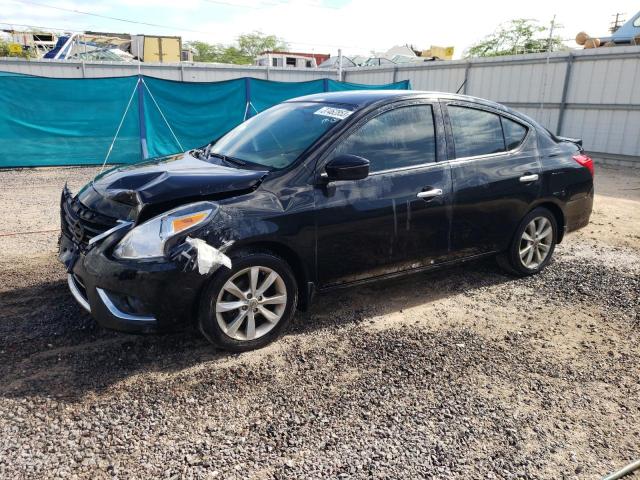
{"x":346,"y":167}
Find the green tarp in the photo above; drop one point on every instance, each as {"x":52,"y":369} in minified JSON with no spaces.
{"x":52,"y":121}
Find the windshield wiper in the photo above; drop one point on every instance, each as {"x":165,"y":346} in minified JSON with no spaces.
{"x":230,"y":160}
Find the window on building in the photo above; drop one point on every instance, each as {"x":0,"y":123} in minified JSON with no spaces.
{"x":291,"y":61}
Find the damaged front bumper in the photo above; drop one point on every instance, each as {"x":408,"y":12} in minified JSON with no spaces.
{"x":141,"y":296}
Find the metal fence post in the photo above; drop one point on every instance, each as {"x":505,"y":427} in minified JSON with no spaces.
{"x":395,"y":74}
{"x":142,"y":122}
{"x":247,"y":96}
{"x":467,"y":69}
{"x":565,"y":94}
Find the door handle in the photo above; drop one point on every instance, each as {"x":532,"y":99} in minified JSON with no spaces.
{"x":434,"y":192}
{"x":529,"y":178}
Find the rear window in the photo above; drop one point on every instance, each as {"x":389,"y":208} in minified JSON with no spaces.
{"x":478,"y":132}
{"x":514,"y":133}
{"x":475,"y":132}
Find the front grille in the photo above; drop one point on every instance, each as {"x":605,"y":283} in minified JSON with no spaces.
{"x":80,"y":223}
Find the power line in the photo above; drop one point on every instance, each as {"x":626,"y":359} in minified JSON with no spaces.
{"x":218,"y":2}
{"x":239,"y":5}
{"x":126,"y":20}
{"x":42,"y":27}
{"x":64,"y":29}
{"x":262,"y":5}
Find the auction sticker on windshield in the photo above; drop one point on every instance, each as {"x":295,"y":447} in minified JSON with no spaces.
{"x":339,"y":113}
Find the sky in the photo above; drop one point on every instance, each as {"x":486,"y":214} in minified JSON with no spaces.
{"x":319,"y":26}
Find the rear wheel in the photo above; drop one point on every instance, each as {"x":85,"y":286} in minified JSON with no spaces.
{"x":250,"y":305}
{"x":532,"y":245}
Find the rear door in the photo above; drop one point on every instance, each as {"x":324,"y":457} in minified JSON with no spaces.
{"x":496,"y":176}
{"x":398,"y":217}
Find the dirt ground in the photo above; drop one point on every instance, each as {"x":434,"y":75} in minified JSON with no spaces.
{"x":464,"y":373}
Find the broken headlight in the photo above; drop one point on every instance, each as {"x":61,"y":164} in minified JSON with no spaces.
{"x":148,"y":239}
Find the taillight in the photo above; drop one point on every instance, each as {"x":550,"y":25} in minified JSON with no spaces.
{"x":585,"y":161}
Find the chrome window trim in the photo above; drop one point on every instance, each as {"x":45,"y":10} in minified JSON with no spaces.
{"x":518,"y":149}
{"x":513,"y":151}
{"x":407,"y":168}
{"x":488,"y":109}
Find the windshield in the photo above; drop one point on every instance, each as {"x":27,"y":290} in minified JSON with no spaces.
{"x":276,"y":137}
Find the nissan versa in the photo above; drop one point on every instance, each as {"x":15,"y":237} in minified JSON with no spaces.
{"x":316,"y":193}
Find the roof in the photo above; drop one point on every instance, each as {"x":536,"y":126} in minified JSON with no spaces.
{"x":361,"y":98}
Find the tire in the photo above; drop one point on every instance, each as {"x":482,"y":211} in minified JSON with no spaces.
{"x":512,"y":261}
{"x":220,"y":316}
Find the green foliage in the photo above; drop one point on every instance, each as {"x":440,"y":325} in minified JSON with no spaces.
{"x":252,"y":44}
{"x":5,"y":51}
{"x":516,"y":37}
{"x":248,"y":47}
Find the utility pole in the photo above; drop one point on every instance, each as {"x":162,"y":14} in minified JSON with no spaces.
{"x":617,"y":23}
{"x":546,"y":68}
{"x":339,"y":64}
{"x":550,"y":40}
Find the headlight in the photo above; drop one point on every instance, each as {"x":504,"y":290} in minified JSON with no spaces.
{"x":148,"y":239}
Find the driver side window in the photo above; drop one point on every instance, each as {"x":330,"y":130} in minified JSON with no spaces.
{"x":401,"y":137}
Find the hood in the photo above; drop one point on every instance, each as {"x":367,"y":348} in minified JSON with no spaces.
{"x":166,"y":181}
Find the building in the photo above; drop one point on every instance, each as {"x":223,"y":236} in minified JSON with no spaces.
{"x":290,"y":59}
{"x":38,"y":42}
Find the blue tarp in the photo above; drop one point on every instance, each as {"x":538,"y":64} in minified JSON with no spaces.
{"x":53,"y":121}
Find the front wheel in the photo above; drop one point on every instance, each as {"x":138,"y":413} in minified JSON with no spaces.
{"x":532,"y":245}
{"x":250,"y":305}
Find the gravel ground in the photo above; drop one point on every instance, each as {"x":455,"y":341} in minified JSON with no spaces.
{"x":465,"y":373}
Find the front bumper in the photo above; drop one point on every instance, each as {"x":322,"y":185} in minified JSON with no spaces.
{"x":165,"y":296}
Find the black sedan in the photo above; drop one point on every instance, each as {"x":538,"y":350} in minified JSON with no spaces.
{"x":316,"y":193}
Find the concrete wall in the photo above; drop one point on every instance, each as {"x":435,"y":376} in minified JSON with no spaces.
{"x":589,"y":94}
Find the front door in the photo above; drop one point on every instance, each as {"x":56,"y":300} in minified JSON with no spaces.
{"x":398,"y":217}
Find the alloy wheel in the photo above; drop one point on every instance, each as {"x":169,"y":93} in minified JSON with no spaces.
{"x":536,"y":242}
{"x":251,"y":303}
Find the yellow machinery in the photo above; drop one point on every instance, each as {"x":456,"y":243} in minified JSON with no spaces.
{"x":443,"y":53}
{"x":152,"y":48}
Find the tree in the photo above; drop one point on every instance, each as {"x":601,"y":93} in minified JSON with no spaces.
{"x":254,"y":43}
{"x":516,"y":37}
{"x":204,"y":52}
{"x":248,"y":47}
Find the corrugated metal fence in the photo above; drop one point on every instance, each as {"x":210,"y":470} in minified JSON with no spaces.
{"x":589,"y":94}
{"x":186,"y":72}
